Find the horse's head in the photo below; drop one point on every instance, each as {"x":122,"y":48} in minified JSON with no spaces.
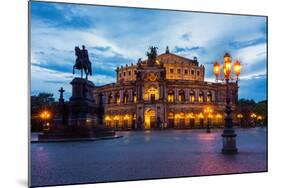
{"x":77,"y":50}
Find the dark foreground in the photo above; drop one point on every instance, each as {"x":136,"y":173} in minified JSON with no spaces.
{"x":146,"y":155}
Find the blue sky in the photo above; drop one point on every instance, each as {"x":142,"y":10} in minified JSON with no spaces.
{"x":119,"y":36}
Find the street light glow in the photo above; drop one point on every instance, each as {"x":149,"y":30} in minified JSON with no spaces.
{"x":45,"y":115}
{"x":253,"y":115}
{"x":239,"y":116}
{"x":217,"y":69}
{"x":237,"y":68}
{"x":227,"y":65}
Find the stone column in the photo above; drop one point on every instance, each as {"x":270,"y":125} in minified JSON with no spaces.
{"x":196,"y":94}
{"x":213,"y":96}
{"x":121,"y":93}
{"x":205,"y":96}
{"x":186,"y":95}
{"x":131,"y":99}
{"x":175,"y":95}
{"x":139,"y":93}
{"x":160,"y":92}
{"x":142,"y":92}
{"x":113,"y":97}
{"x":164,"y":92}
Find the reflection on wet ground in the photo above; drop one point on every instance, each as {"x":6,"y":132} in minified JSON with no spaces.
{"x":145,"y":155}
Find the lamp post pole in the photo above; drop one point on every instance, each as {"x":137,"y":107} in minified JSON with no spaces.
{"x":208,"y":112}
{"x":45,"y":116}
{"x":208,"y":125}
{"x":228,"y":135}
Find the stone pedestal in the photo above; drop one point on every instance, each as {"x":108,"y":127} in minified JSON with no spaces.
{"x":78,"y":118}
{"x":82,"y":108}
{"x":60,"y":119}
{"x":229,"y":142}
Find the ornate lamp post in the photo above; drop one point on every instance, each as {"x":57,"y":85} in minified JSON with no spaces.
{"x":240,"y":117}
{"x":45,"y":115}
{"x":253,"y":116}
{"x":259,"y":118}
{"x":229,"y":136}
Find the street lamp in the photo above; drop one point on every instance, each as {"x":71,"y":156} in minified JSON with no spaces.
{"x":229,"y":136}
{"x":259,"y":118}
{"x":253,"y":116}
{"x":208,"y":111}
{"x":240,"y":116}
{"x":45,"y":115}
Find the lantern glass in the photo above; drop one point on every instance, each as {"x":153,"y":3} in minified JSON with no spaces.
{"x":237,"y":68}
{"x":217,"y":69}
{"x":227,"y":68}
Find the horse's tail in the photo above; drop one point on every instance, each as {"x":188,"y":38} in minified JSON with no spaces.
{"x":90,"y":68}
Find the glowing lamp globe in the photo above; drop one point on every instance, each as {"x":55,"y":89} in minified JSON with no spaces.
{"x":237,"y":68}
{"x":227,"y":65}
{"x":217,"y":69}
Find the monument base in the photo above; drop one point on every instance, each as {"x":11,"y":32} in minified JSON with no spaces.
{"x":229,"y":142}
{"x":80,"y":117}
{"x":77,"y":133}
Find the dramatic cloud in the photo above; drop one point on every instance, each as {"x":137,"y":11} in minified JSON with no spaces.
{"x":119,"y":36}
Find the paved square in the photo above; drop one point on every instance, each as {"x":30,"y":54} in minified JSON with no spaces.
{"x":146,"y":155}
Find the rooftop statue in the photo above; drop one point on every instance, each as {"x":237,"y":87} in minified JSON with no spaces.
{"x":152,"y":55}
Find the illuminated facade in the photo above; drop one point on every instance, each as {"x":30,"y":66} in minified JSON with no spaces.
{"x":168,"y":93}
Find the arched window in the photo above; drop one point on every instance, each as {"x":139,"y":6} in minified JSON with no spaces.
{"x":151,"y":93}
{"x":110,"y":99}
{"x":201,"y":96}
{"x":117,"y":98}
{"x":134,"y":96}
{"x":171,"y":120}
{"x":125,"y":97}
{"x":209,"y":96}
{"x":191,"y":96}
{"x":181,"y":96}
{"x":170,"y":96}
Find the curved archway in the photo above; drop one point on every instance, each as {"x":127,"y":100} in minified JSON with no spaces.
{"x":149,"y":119}
{"x":171,"y":119}
{"x":181,"y":96}
{"x":151,"y":93}
{"x":209,"y":96}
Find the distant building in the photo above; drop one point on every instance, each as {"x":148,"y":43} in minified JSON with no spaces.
{"x":169,"y":92}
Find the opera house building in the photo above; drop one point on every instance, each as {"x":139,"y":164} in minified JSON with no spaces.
{"x":168,"y":91}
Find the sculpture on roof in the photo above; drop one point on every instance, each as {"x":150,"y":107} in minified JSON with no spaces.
{"x":152,"y":55}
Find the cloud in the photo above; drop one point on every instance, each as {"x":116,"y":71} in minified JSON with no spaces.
{"x":186,"y":36}
{"x":247,"y":43}
{"x":119,"y":36}
{"x":47,"y":80}
{"x":251,"y":55}
{"x":187,"y":49}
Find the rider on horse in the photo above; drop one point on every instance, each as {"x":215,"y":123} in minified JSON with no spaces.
{"x":82,"y":61}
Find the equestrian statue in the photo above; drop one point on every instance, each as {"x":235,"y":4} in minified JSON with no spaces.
{"x":82,"y":62}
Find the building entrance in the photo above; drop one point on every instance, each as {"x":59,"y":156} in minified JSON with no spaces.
{"x":149,"y":119}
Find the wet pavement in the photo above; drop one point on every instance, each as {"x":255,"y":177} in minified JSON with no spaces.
{"x":146,"y":155}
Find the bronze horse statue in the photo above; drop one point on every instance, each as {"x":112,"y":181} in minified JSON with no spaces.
{"x":82,"y":61}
